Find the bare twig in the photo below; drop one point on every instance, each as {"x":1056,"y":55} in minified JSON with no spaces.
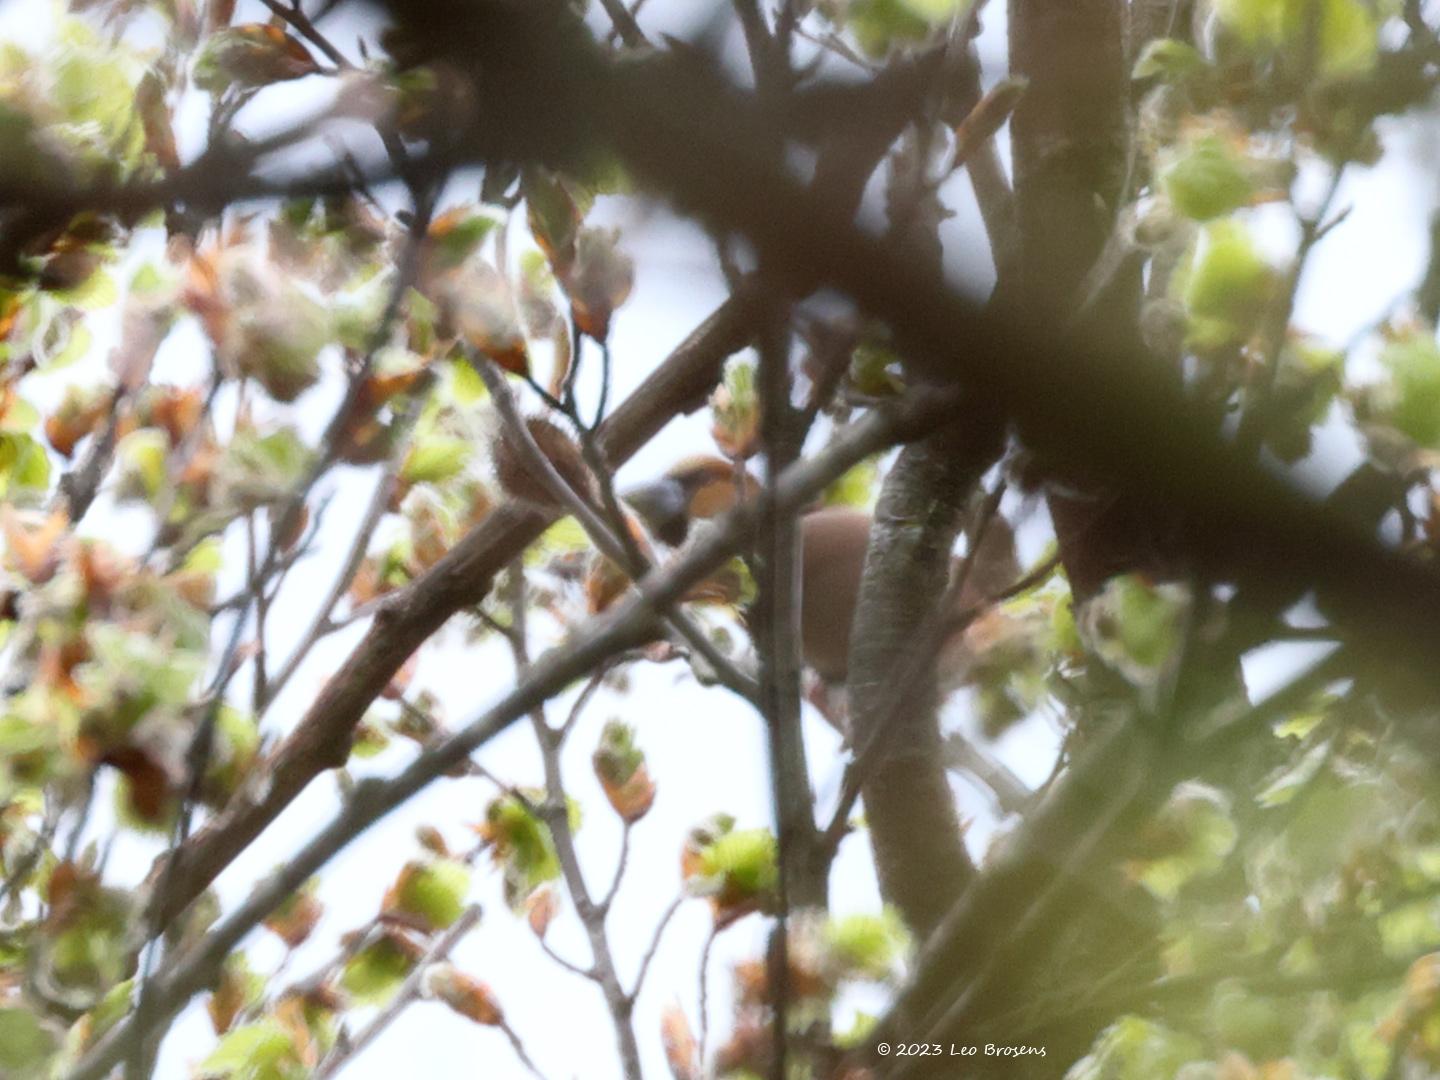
{"x":408,"y":991}
{"x":555,"y":813}
{"x":407,"y":618}
{"x":612,"y":544}
{"x":603,"y":637}
{"x":655,"y":945}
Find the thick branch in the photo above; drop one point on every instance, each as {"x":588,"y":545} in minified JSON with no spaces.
{"x":919,"y":848}
{"x":321,"y":740}
{"x":622,"y":627}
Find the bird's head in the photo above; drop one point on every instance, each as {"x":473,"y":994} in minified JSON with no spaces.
{"x":692,"y":489}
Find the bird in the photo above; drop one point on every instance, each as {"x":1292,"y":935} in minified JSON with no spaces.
{"x":833,"y":543}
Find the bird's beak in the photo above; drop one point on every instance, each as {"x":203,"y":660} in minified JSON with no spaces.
{"x":664,"y":507}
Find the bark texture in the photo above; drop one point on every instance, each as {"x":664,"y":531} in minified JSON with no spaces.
{"x":909,"y":808}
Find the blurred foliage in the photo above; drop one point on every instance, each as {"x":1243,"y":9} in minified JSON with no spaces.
{"x":1298,"y":894}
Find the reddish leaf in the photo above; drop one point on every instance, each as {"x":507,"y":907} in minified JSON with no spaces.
{"x":295,"y":919}
{"x":554,"y":218}
{"x":218,"y":14}
{"x":155,"y":121}
{"x":252,"y":55}
{"x":681,"y":1050}
{"x":540,"y":909}
{"x":468,"y":996}
{"x":149,"y":791}
{"x":599,"y":281}
{"x":32,"y":542}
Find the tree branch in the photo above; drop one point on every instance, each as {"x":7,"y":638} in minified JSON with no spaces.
{"x":603,"y":637}
{"x":321,"y":739}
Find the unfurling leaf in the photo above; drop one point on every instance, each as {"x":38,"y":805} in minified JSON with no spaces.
{"x":476,"y":305}
{"x":250,"y":56}
{"x":554,"y":217}
{"x":599,"y":281}
{"x":1208,"y":179}
{"x":155,"y":121}
{"x":468,"y":996}
{"x":237,"y":988}
{"x":735,"y":412}
{"x":521,"y":844}
{"x":378,"y":969}
{"x":541,"y":907}
{"x":620,"y":766}
{"x":296,"y":917}
{"x":431,"y":893}
{"x":605,"y":582}
{"x":681,"y":1050}
{"x":32,"y":542}
{"x":737,"y":870}
{"x":452,"y":238}
{"x":79,"y":414}
{"x":265,"y":1049}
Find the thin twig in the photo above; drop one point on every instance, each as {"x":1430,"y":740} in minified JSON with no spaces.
{"x":601,"y":638}
{"x":655,"y":945}
{"x":408,"y":991}
{"x":610,"y":543}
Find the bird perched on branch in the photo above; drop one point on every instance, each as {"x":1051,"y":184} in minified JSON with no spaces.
{"x":833,"y":541}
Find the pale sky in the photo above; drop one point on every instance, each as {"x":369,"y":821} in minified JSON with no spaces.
{"x":706,"y":748}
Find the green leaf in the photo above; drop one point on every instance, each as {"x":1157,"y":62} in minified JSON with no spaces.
{"x":856,"y":487}
{"x":1169,"y":59}
{"x":879,"y":25}
{"x":522,"y":844}
{"x":1412,"y":401}
{"x":1208,"y":180}
{"x":264,"y":1050}
{"x":866,"y":946}
{"x":76,"y":347}
{"x":938,"y":10}
{"x":1290,"y":779}
{"x":25,"y":1043}
{"x":376,"y":971}
{"x":20,"y":735}
{"x":433,"y":892}
{"x":1346,"y":31}
{"x":466,"y":384}
{"x":739,"y":866}
{"x":1228,"y":288}
{"x":23,"y":462}
{"x":1134,"y":626}
{"x":1255,"y":22}
{"x":435,"y":459}
{"x":1194,"y":833}
{"x":1348,"y":34}
{"x":1137,"y":1049}
{"x":206,"y":557}
{"x":94,"y":293}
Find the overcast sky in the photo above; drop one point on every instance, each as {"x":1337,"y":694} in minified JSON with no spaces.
{"x":706,"y":748}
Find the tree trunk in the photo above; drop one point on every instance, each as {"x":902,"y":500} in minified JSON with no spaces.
{"x":910,"y":810}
